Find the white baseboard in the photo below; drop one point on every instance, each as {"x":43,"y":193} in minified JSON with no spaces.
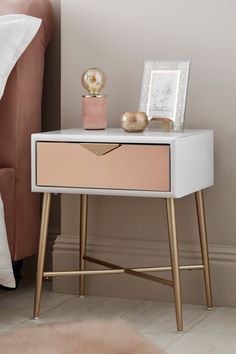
{"x":133,"y":253}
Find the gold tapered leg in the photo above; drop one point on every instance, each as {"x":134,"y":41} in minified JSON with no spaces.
{"x":41,"y":253}
{"x":204,"y":246}
{"x":170,"y":206}
{"x":83,"y":240}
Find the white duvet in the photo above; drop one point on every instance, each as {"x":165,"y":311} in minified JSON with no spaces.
{"x":16,"y":33}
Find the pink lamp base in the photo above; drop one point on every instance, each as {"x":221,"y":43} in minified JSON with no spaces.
{"x":94,"y":112}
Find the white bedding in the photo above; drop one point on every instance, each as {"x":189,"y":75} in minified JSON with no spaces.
{"x":16,"y":33}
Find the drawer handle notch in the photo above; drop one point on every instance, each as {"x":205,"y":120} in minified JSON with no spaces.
{"x":99,"y":149}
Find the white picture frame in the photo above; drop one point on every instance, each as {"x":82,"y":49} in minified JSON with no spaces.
{"x":164,"y":90}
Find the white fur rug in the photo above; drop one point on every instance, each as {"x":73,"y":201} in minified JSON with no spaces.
{"x":88,"y":337}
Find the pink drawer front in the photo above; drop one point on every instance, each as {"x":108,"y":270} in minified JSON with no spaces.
{"x":128,"y":166}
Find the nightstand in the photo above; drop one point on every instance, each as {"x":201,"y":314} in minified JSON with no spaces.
{"x":112,"y":162}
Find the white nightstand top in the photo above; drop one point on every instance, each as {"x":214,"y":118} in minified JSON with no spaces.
{"x":115,"y":135}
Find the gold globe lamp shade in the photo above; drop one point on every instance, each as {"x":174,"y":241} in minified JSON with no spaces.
{"x":93,"y":80}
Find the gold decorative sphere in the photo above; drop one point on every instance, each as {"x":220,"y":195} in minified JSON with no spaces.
{"x":93,"y":80}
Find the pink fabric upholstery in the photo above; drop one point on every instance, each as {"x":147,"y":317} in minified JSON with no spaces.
{"x":7,"y":190}
{"x":20,"y":116}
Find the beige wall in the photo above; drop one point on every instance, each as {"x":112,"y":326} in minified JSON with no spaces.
{"x":117,"y":36}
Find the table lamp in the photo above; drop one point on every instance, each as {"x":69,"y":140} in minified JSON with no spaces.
{"x":94,"y":105}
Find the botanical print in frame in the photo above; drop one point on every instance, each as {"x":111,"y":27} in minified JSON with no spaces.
{"x":164,"y":89}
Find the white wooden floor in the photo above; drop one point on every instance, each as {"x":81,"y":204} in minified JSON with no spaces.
{"x":205,"y":331}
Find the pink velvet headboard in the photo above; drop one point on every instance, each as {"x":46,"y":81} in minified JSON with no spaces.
{"x":20,"y":116}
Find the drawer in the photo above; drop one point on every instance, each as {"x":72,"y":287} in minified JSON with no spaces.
{"x":105,"y":166}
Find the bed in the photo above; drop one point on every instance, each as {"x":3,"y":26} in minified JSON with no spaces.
{"x":20,"y":116}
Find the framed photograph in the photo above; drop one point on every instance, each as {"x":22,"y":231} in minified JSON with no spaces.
{"x":164,"y":90}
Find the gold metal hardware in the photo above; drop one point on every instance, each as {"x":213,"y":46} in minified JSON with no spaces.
{"x":204,"y":246}
{"x":82,"y":272}
{"x":175,"y":268}
{"x":129,"y":271}
{"x":118,"y":271}
{"x":41,"y":253}
{"x":83,"y":239}
{"x":170,"y":207}
{"x":99,"y":149}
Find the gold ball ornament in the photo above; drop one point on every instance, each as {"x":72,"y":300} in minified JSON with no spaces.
{"x":93,"y":80}
{"x":134,"y":121}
